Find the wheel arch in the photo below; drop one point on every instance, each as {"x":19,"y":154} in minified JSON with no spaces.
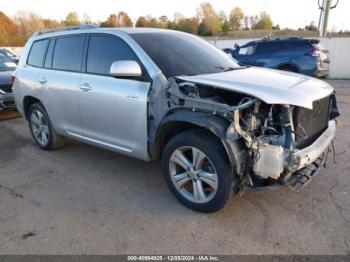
{"x":184,"y":120}
{"x":27,"y":102}
{"x":290,"y":65}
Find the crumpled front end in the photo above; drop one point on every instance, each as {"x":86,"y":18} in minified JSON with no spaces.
{"x":284,"y":144}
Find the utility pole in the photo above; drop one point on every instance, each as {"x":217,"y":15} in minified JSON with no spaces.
{"x":324,"y":16}
{"x":320,"y":21}
{"x":325,"y":19}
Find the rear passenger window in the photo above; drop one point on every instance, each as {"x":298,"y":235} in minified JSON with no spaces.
{"x":68,"y":53}
{"x":37,"y":53}
{"x":268,"y":47}
{"x":246,"y":50}
{"x":103,"y":51}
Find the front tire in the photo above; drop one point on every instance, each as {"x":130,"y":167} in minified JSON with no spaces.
{"x":197,"y":171}
{"x":41,"y":128}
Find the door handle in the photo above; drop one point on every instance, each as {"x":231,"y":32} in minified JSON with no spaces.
{"x":85,"y":87}
{"x":42,"y":80}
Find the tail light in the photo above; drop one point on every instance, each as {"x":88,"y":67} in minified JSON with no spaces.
{"x":315,"y":52}
{"x":13,"y":77}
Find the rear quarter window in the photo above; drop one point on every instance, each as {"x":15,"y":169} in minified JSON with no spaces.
{"x":68,"y":53}
{"x":37,"y":53}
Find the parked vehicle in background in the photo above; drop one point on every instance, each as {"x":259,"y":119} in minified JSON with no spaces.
{"x":10,"y":55}
{"x":304,"y":56}
{"x":7,"y":67}
{"x":154,"y":94}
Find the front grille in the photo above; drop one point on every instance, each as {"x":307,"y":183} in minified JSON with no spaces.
{"x":6,"y":88}
{"x":310,"y":124}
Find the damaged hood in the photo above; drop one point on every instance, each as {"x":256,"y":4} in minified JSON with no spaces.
{"x":271,"y":86}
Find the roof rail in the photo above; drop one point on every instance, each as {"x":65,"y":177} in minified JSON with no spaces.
{"x":67,"y":28}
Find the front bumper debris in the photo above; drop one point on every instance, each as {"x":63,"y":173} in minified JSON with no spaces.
{"x":308,"y":161}
{"x":310,"y":154}
{"x":303,"y":176}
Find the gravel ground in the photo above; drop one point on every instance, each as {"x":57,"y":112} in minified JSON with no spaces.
{"x":85,"y":200}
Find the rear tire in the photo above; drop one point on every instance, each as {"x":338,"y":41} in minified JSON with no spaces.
{"x":41,"y":128}
{"x":197,"y":171}
{"x":289,"y":68}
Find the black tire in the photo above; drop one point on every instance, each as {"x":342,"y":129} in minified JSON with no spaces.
{"x":54,"y":140}
{"x":214,"y":150}
{"x":289,"y":68}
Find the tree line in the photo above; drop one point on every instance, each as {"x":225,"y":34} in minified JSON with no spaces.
{"x":207,"y":22}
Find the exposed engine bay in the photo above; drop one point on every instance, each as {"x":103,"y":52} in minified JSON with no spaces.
{"x":271,"y":133}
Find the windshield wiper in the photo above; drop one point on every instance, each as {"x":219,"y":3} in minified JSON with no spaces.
{"x":230,"y":69}
{"x":226,"y":69}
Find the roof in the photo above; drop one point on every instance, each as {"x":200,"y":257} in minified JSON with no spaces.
{"x":135,"y":30}
{"x":94,"y":28}
{"x":281,"y":39}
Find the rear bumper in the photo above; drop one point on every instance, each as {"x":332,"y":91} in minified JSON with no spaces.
{"x":6,"y":100}
{"x":322,"y":69}
{"x":322,"y":72}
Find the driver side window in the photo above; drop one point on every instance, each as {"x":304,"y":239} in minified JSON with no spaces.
{"x":103,"y":51}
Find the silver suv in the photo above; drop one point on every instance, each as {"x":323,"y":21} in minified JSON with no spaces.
{"x":218,"y":128}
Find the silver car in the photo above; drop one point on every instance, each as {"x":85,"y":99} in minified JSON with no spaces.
{"x":218,"y":128}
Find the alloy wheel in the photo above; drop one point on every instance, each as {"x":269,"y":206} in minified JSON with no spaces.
{"x":40,"y":127}
{"x":193,"y":174}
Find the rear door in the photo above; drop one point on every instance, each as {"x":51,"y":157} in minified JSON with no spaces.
{"x":266,"y":54}
{"x":60,"y":79}
{"x":113,"y":110}
{"x":30,"y":74}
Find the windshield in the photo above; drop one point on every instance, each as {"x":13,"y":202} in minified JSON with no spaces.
{"x":183,"y":54}
{"x":6,"y":64}
{"x":7,"y":53}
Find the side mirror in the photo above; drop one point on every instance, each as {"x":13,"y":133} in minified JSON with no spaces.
{"x":126,"y":68}
{"x":236,"y":46}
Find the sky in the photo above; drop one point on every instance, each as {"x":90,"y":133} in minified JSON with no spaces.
{"x":286,"y":13}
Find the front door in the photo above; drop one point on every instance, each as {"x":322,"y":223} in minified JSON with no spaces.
{"x":113,"y":110}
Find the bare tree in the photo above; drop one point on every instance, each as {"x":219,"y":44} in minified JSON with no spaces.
{"x":28,"y":23}
{"x":86,"y":19}
{"x":254,"y":19}
{"x":246,"y":22}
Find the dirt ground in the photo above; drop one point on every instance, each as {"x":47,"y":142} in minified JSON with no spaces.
{"x":85,"y":200}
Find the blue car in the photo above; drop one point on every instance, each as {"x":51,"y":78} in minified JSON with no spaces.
{"x":305,"y":56}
